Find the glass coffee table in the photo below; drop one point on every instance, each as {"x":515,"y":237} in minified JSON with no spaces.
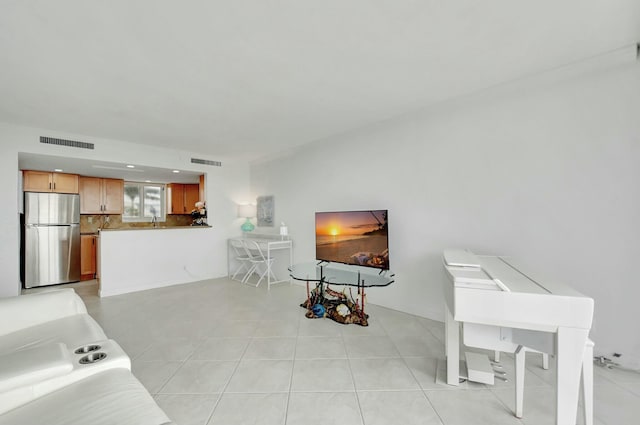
{"x":341,"y":306}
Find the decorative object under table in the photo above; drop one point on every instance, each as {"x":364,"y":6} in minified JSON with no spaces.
{"x":340,"y":306}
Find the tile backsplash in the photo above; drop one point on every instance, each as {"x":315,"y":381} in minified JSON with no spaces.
{"x":98,"y":221}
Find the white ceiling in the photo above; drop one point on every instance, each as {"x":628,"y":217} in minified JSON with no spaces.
{"x":249,"y":78}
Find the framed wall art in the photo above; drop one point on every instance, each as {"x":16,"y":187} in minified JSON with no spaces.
{"x":264,"y":214}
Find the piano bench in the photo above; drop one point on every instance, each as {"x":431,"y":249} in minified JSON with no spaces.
{"x":545,"y":359}
{"x":587,"y":379}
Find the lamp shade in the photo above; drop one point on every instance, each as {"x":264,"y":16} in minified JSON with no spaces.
{"x":246,"y":211}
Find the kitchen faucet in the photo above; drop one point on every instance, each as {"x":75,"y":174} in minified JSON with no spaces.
{"x":154,"y":221}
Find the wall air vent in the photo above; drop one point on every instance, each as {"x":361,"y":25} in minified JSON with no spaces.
{"x":69,"y":143}
{"x":206,"y":162}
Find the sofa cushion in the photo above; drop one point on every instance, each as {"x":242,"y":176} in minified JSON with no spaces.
{"x":111,"y":397}
{"x":74,"y":331}
{"x":37,"y":364}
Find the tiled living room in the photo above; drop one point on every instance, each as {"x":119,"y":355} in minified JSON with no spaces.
{"x":505,"y":134}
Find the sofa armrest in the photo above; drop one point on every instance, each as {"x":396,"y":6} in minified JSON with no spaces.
{"x":24,"y":311}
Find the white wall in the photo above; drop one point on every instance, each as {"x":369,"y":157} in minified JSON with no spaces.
{"x":225,"y":187}
{"x":548,"y":171}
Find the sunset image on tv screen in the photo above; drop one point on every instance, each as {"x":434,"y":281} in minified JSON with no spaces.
{"x":353,"y":237}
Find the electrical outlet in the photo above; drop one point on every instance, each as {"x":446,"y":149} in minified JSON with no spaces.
{"x":90,"y":219}
{"x":106,"y":219}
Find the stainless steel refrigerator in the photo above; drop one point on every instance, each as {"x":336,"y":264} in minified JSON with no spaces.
{"x":51,"y":238}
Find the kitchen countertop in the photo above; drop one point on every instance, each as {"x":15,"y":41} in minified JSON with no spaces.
{"x":152,"y":228}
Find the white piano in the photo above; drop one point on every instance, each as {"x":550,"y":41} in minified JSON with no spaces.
{"x":503,"y":308}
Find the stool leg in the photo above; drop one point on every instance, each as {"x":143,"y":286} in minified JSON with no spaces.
{"x":520,"y":360}
{"x":587,"y":383}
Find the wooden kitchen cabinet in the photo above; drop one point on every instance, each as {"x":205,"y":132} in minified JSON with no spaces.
{"x":191,"y":196}
{"x":175,"y":198}
{"x":101,"y":196}
{"x":201,"y":188}
{"x":88,"y":257}
{"x":43,"y":181}
{"x":182,"y":198}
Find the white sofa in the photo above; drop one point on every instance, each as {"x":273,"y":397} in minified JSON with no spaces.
{"x":48,"y":317}
{"x":58,"y":367}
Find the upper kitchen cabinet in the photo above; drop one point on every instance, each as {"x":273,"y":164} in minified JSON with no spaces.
{"x":101,"y":196}
{"x":182,"y":198}
{"x":42,"y":181}
{"x":191,"y":196}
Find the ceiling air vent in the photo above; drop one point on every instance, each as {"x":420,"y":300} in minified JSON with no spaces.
{"x":69,"y":143}
{"x":206,"y":162}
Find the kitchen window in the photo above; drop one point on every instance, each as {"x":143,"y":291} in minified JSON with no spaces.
{"x":143,"y":201}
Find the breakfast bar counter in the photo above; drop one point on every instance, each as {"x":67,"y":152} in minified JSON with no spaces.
{"x":133,"y":260}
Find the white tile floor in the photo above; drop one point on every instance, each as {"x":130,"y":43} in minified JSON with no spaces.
{"x":219,"y":352}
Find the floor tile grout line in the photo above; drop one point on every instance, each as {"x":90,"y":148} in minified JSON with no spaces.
{"x":505,"y":405}
{"x":432,"y":406}
{"x":293,"y":366}
{"x":353,"y":379}
{"x":404,"y":360}
{"x":170,"y":378}
{"x":182,"y":363}
{"x":148,"y":347}
{"x":218,"y":396}
{"x":226,"y":385}
{"x":617,"y":384}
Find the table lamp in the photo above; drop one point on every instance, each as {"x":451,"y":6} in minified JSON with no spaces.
{"x":247,"y":211}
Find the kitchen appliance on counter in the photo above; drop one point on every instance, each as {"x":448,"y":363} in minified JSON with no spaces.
{"x":51,"y":239}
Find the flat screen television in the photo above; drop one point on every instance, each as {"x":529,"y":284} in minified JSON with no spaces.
{"x":353,"y":237}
